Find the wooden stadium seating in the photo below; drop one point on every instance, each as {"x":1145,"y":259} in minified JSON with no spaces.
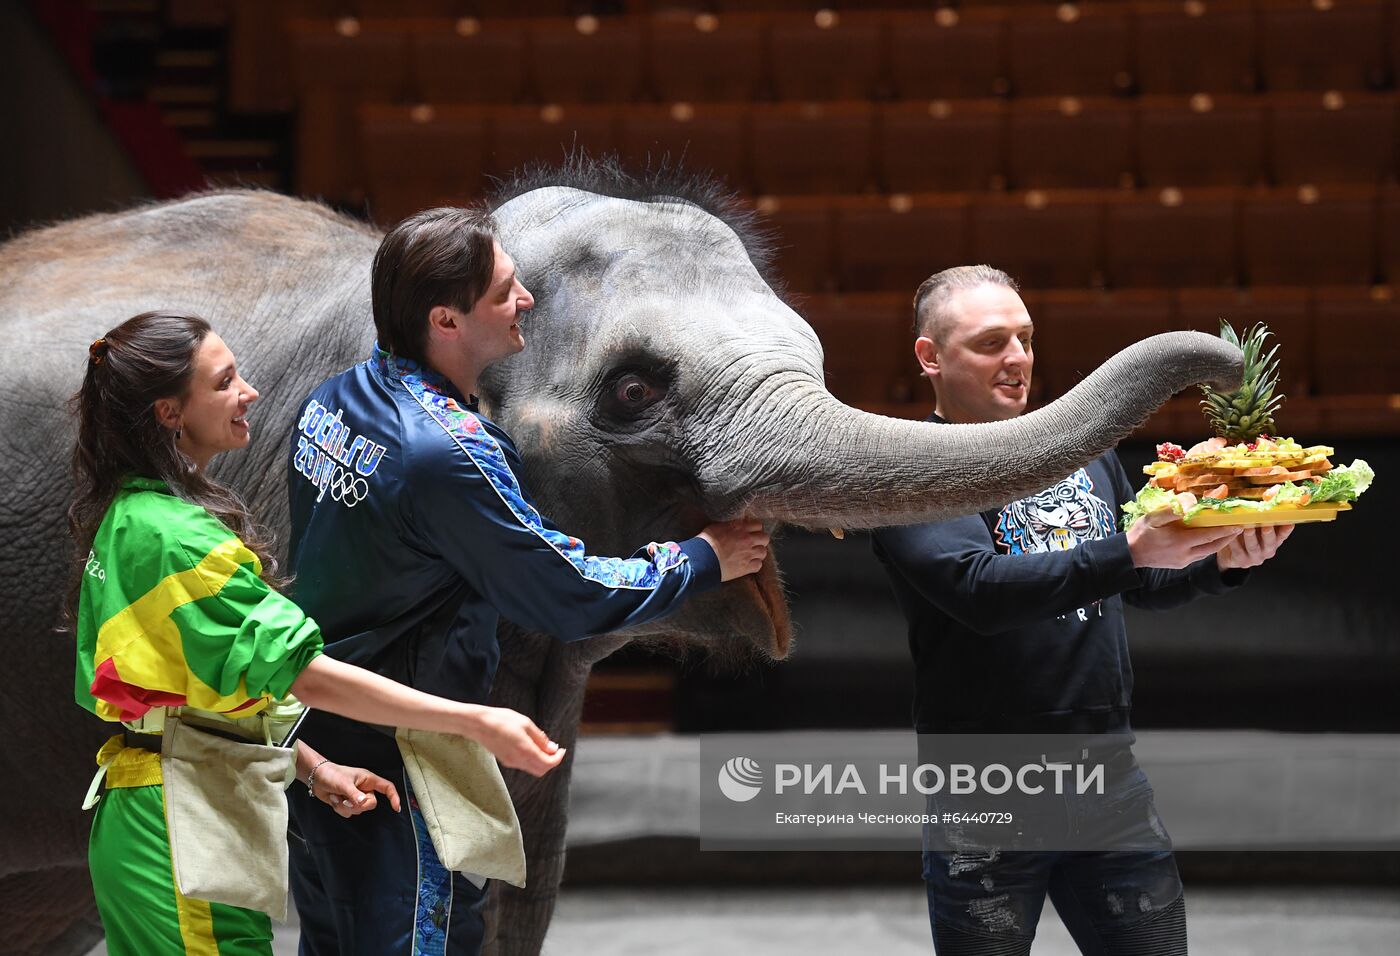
{"x":1069,"y":50}
{"x":703,"y":136}
{"x":1077,"y":330}
{"x":531,"y":134}
{"x":1286,"y":311}
{"x":945,"y":145}
{"x":1310,"y":236}
{"x":868,"y":341}
{"x":1333,"y":138}
{"x":1187,"y":48}
{"x":882,"y":142}
{"x":1357,"y":345}
{"x":706,"y":57}
{"x":1352,"y":415}
{"x":335,"y":71}
{"x":412,"y":8}
{"x":417,"y":157}
{"x":1069,"y":143}
{"x":1173,"y":238}
{"x":1044,"y":241}
{"x":514,"y":8}
{"x":827,"y":56}
{"x":587,"y":60}
{"x":1333,"y":45}
{"x":1202,"y":140}
{"x":935,"y":54}
{"x":733,"y":6}
{"x":804,"y":238}
{"x":813,"y":147}
{"x":260,"y":73}
{"x":483,"y":63}
{"x":1390,"y":235}
{"x":896,"y":243}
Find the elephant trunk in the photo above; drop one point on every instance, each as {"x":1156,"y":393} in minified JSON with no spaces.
{"x":834,"y":466}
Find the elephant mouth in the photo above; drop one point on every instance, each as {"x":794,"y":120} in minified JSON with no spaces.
{"x":766,"y":590}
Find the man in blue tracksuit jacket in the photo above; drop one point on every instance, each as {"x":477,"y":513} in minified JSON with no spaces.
{"x":411,"y":535}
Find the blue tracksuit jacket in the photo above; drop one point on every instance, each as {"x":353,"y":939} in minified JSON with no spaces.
{"x":411,"y":533}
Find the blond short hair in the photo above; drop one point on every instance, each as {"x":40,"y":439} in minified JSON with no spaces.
{"x":931,"y":316}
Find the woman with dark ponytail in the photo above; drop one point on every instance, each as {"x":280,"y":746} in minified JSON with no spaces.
{"x":180,"y":624}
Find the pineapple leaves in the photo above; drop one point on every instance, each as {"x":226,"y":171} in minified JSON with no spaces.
{"x":1248,"y":412}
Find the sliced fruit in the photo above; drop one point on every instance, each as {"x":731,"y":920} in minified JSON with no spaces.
{"x":1206,"y":481}
{"x":1279,"y":479}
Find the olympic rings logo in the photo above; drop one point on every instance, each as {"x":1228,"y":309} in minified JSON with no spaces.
{"x":346,"y":488}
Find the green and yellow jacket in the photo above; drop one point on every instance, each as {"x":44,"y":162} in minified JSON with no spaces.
{"x":172,"y":613}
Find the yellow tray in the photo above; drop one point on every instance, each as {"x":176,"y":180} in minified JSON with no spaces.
{"x":1324,"y":511}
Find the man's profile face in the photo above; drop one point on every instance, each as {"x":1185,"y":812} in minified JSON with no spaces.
{"x":493,"y":324}
{"x":982,"y":370}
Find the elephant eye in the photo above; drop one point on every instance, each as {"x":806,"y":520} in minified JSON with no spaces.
{"x":633,"y":392}
{"x":630,"y":393}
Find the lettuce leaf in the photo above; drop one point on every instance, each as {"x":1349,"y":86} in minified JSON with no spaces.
{"x":1345,"y":482}
{"x":1225,"y":504}
{"x":1289,"y":493}
{"x":1150,"y":498}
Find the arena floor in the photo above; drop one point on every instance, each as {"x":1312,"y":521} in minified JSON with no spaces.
{"x":1272,"y":921}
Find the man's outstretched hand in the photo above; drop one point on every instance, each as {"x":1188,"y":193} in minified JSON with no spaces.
{"x":1253,"y":547}
{"x":741,"y":545}
{"x":1159,"y":540}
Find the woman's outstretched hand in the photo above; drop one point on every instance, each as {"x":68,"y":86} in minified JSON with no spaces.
{"x":516,"y":741}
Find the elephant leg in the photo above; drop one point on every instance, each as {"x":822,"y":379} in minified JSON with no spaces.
{"x":517,"y":919}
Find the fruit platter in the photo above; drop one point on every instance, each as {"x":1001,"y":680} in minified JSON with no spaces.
{"x":1243,"y":475}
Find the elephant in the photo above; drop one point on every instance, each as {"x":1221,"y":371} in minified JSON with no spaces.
{"x":666,"y":383}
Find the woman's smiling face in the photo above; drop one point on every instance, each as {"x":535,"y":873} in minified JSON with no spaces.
{"x":212,"y":416}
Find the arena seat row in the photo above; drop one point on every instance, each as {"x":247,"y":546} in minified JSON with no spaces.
{"x":1310,"y":236}
{"x":1224,"y":46}
{"x":1287,"y":139}
{"x":867,"y":341}
{"x":1056,"y":238}
{"x":946,"y":135}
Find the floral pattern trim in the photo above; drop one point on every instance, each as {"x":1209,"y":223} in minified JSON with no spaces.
{"x":432,"y":914}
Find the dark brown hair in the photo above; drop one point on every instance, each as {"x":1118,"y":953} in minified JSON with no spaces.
{"x":442,"y":256}
{"x":146,"y":358}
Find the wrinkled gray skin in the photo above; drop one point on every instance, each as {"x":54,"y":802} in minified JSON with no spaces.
{"x":742,"y":424}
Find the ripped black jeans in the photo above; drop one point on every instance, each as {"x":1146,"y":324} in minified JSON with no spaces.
{"x":986,"y":902}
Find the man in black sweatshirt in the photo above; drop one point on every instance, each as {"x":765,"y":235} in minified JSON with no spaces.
{"x":1016,"y":627}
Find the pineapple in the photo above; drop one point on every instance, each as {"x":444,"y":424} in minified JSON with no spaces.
{"x":1241,"y":416}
